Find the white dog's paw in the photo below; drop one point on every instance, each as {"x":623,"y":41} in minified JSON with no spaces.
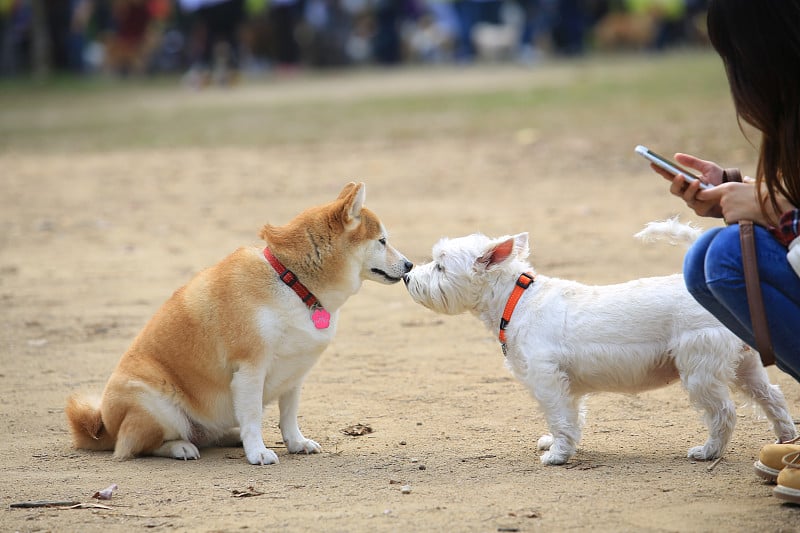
{"x":182,"y":449}
{"x":303,"y":446}
{"x":703,"y":453}
{"x":261,"y":456}
{"x":545,"y":441}
{"x":552,"y":458}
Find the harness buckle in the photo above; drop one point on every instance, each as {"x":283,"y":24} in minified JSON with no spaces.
{"x":528,"y":280}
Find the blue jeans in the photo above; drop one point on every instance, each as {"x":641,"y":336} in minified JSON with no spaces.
{"x":715,"y":277}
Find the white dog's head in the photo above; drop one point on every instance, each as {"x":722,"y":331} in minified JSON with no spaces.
{"x":465,"y":271}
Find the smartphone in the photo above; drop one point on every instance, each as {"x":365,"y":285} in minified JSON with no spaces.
{"x":670,"y":166}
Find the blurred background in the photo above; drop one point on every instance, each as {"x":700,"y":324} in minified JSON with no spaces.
{"x":143,"y":140}
{"x":218,"y":41}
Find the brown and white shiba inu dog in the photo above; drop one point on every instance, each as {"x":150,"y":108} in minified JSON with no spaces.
{"x":242,"y":333}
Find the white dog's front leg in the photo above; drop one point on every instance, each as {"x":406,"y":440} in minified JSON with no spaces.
{"x":563,"y":416}
{"x":295,"y":442}
{"x":247,"y":386}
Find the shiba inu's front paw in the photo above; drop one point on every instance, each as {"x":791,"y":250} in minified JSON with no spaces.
{"x":185,"y":450}
{"x":261,"y":456}
{"x":303,"y":446}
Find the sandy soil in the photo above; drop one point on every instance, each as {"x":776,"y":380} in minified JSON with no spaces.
{"x":92,"y":243}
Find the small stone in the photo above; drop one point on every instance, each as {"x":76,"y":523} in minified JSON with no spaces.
{"x":405,"y":489}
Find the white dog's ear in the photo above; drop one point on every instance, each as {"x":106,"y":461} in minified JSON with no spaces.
{"x":354,"y":196}
{"x":497,"y":253}
{"x":521,"y":246}
{"x":507,"y":248}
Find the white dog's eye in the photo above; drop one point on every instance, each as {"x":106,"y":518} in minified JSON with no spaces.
{"x":439,"y":267}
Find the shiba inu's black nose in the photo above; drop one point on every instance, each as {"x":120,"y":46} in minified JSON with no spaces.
{"x":408,"y":266}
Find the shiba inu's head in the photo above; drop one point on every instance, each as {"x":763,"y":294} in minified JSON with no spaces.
{"x":380,"y":261}
{"x":339,"y":242}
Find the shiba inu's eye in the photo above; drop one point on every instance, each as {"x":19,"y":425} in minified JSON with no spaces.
{"x":382,"y":240}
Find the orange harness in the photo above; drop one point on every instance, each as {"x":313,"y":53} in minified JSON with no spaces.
{"x":523,"y":282}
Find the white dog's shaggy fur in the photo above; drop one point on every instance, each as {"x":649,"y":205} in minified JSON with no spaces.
{"x":566,"y":340}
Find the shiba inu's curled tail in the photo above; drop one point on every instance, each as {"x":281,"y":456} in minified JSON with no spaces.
{"x":672,"y":230}
{"x":86,"y":424}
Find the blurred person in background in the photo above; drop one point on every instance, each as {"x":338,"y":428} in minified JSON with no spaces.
{"x":284,"y":16}
{"x":13,"y":35}
{"x":326,"y":28}
{"x":136,"y":30}
{"x":81,"y":17}
{"x":470,"y":13}
{"x":386,"y":43}
{"x":215,"y":23}
{"x":537,"y":28}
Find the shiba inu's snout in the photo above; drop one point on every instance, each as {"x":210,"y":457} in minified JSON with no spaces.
{"x":404,"y":268}
{"x":384,"y":263}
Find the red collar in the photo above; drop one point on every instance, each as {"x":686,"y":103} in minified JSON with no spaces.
{"x":320,"y":316}
{"x":523,"y":282}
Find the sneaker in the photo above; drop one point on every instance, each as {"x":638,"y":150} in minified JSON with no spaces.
{"x":789,"y":479}
{"x":770,"y":458}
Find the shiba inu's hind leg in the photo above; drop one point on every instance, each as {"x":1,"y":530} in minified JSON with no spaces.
{"x":141,"y":434}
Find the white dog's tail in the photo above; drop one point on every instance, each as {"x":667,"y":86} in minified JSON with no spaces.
{"x":671,"y":229}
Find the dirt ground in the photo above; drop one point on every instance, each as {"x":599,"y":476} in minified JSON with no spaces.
{"x":92,"y":242}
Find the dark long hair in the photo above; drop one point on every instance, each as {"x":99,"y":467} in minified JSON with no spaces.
{"x":759,"y":43}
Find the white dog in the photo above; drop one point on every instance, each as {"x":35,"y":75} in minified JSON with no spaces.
{"x":564,"y":340}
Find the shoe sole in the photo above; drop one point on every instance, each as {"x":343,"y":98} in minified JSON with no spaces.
{"x":787,"y":494}
{"x":765,"y":472}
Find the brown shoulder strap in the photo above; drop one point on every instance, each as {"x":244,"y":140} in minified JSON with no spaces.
{"x":731,"y":174}
{"x":754,"y":299}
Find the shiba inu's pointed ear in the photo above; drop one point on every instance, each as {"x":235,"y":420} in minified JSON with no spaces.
{"x":506,"y":248}
{"x":354,"y":196}
{"x":347,"y":189}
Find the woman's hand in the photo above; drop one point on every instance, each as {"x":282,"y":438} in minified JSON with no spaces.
{"x":731,"y":201}
{"x":736,"y":201}
{"x":710,"y":173}
{"x":740,"y":201}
